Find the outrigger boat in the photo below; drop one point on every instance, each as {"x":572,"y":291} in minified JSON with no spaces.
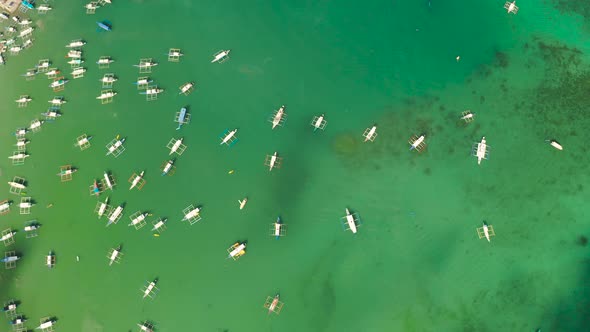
{"x":418,"y":143}
{"x":152,"y":91}
{"x":91,"y":6}
{"x":174,"y":53}
{"x":51,"y":115}
{"x":319,"y":123}
{"x":58,"y":83}
{"x":106,"y":95}
{"x":76,"y":61}
{"x":50,"y":260}
{"x":181,"y":117}
{"x":12,"y":305}
{"x":555,"y":144}
{"x":104,"y":61}
{"x":184,"y":89}
{"x":7,"y":236}
{"x":43,"y":65}
{"x":145,"y":327}
{"x":159,"y":224}
{"x":273,"y":305}
{"x":220,"y":56}
{"x":4,"y":207}
{"x":114,"y":254}
{"x":24,"y":99}
{"x":27,"y":4}
{"x":236,"y":251}
{"x":273,"y":161}
{"x":15,"y":49}
{"x":167,"y":167}
{"x":76,"y":43}
{"x":103,"y":208}
{"x":191,"y":214}
{"x":115,"y":146}
{"x":18,"y":321}
{"x":350,"y":220}
{"x":31,"y":228}
{"x":486,"y":231}
{"x":19,"y":156}
{"x":30,"y":73}
{"x":278,"y":229}
{"x":467,"y":116}
{"x":52,"y":72}
{"x":150,"y":290}
{"x":78,"y":71}
{"x":108,"y":79}
{"x":20,"y":132}
{"x":26,"y":32}
{"x":107,"y":181}
{"x":114,"y":217}
{"x":370,"y":134}
{"x":136,"y":180}
{"x":481,"y":150}
{"x":9,"y":259}
{"x":44,"y":8}
{"x":45,"y":326}
{"x":4,"y":16}
{"x":143,"y":81}
{"x":83,"y":141}
{"x":57,"y":101}
{"x":176,"y":145}
{"x":243,"y":202}
{"x":229,"y":137}
{"x":278,"y":117}
{"x":74,"y":54}
{"x":25,"y":22}
{"x":146,"y":64}
{"x":16,"y":185}
{"x":66,"y":172}
{"x":104,"y":26}
{"x":22,"y":143}
{"x":511,"y":7}
{"x":139,"y":219}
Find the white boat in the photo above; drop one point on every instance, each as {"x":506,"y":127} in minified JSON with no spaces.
{"x":372,"y":132}
{"x":114,"y":256}
{"x":27,"y":43}
{"x":58,"y":83}
{"x":468,"y":116}
{"x":143,"y":81}
{"x":481,"y":152}
{"x":145,"y":328}
{"x":76,"y":61}
{"x":19,"y":156}
{"x":159,"y":224}
{"x":4,"y":16}
{"x":25,"y":22}
{"x":49,"y":261}
{"x":486,"y":231}
{"x":26,"y":32}
{"x":43,"y":65}
{"x":191,"y":214}
{"x":10,"y":29}
{"x":138,"y":219}
{"x":44,"y":8}
{"x":91,"y":6}
{"x":511,"y":7}
{"x":57,"y":101}
{"x":51,"y":115}
{"x":103,"y":207}
{"x":78,"y":71}
{"x":278,"y":117}
{"x":36,"y":124}
{"x":15,"y":49}
{"x":31,"y":228}
{"x":350,"y":221}
{"x":74,"y":54}
{"x":176,"y":145}
{"x":417,"y":142}
{"x":149,"y":289}
{"x":2,"y":59}
{"x":136,"y":180}
{"x":25,"y":205}
{"x":23,"y":100}
{"x":555,"y":144}
{"x":146,"y":64}
{"x":21,"y":143}
{"x":153,"y":91}
{"x":7,"y":236}
{"x":20,"y":132}
{"x":107,"y":181}
{"x":237,"y":250}
{"x":48,"y":324}
{"x":115,"y":215}
{"x":115,"y":146}
{"x":186,"y":87}
{"x":167,"y":167}
{"x":76,"y":43}
{"x":16,"y":185}
{"x":106,"y":95}
{"x":52,"y":72}
{"x":108,"y":79}
{"x":4,"y":206}
{"x":175,"y":54}
{"x":228,"y":137}
{"x":220,"y":56}
{"x":243,"y":202}
{"x":318,"y":122}
{"x":105,"y":61}
{"x":272,"y":162}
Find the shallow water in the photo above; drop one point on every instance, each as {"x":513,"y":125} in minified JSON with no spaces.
{"x":416,"y":263}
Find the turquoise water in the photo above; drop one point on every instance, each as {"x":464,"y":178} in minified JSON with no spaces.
{"x":416,"y":263}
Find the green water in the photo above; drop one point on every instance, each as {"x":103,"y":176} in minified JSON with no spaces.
{"x":416,"y":263}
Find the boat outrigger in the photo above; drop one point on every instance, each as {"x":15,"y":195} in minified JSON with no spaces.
{"x":50,"y":260}
{"x":106,"y":96}
{"x":21,"y":144}
{"x":114,"y":255}
{"x":46,"y":325}
{"x":146,"y":327}
{"x":192,"y":214}
{"x":83,"y":142}
{"x":221,"y":56}
{"x":74,"y":54}
{"x":370,"y":134}
{"x":95,"y":189}
{"x":467,"y":116}
{"x":417,"y":143}
{"x":108,"y":181}
{"x":229,"y":137}
{"x":186,"y":88}
{"x":486,"y":231}
{"x":58,"y":84}
{"x":151,"y":290}
{"x":159,"y":225}
{"x":66,"y":172}
{"x":480,"y":150}
{"x":7,"y":237}
{"x":273,"y":161}
{"x":5,"y":207}
{"x":182,"y":118}
{"x":351,"y":221}
{"x":278,"y":229}
{"x":176,"y":146}
{"x":102,"y":207}
{"x":76,"y":44}
{"x":137,"y":180}
{"x":278,"y":117}
{"x":138,"y":219}
{"x":273,"y":304}
{"x":115,"y":215}
{"x":511,"y":7}
{"x":168,"y":167}
{"x":57,"y":101}
{"x":115,"y":147}
{"x":236,"y":251}
{"x":319,"y":122}
{"x":104,"y":26}
{"x":174,"y":55}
